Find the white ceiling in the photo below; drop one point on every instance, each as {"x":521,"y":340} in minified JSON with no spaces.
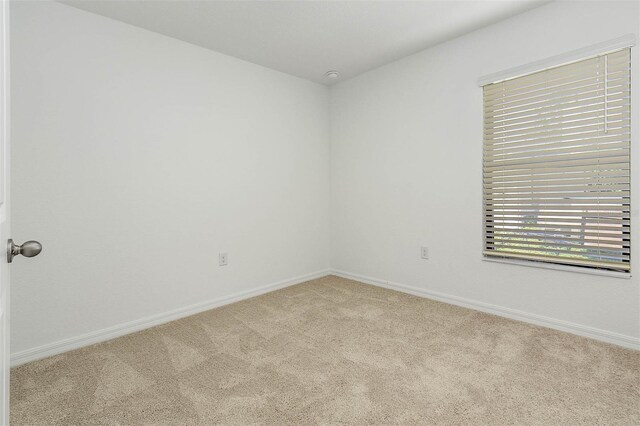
{"x":309,"y":38}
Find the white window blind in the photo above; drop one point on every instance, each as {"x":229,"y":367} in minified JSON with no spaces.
{"x":556,"y":164}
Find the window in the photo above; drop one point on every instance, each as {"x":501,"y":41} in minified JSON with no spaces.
{"x":556,"y":165}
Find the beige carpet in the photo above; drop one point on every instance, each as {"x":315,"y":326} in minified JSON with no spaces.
{"x":333,"y":351}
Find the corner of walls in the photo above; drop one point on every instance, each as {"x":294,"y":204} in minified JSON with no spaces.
{"x":401,"y":143}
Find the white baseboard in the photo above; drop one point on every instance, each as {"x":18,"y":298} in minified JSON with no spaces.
{"x":65,"y":345}
{"x":569,"y":327}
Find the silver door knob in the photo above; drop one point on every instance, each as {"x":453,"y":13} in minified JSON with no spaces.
{"x":28,"y":249}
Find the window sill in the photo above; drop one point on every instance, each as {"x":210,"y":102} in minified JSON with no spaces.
{"x":566,"y":268}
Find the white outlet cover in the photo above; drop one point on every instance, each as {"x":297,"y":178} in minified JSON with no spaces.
{"x":424,"y":252}
{"x":223,"y":259}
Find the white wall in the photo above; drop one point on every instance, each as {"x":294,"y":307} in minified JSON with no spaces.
{"x":137,"y":158}
{"x":406,"y":156}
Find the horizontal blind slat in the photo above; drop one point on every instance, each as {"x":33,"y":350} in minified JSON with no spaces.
{"x":541,"y":185}
{"x":560,"y":260}
{"x":597,"y":84}
{"x":569,"y":130}
{"x":542,"y":111}
{"x":571,"y":234}
{"x":561,"y":122}
{"x":561,"y":97}
{"x":511,"y":166}
{"x":546,"y":178}
{"x":557,"y":190}
{"x":582,"y":224}
{"x":560,"y":149}
{"x":587,"y":143}
{"x":567,"y":245}
{"x":542,"y":215}
{"x":589,"y":112}
{"x":505,"y":112}
{"x":586,"y":249}
{"x":596,"y":170}
{"x":611,"y":135}
{"x":615,"y":73}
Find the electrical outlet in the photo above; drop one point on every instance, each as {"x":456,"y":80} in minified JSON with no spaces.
{"x":223,"y":259}
{"x":424,"y":252}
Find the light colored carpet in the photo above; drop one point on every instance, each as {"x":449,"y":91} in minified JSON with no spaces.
{"x":333,"y":351}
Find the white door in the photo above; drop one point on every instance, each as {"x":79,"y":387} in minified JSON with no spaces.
{"x":4,"y":212}
{"x":7,"y":249}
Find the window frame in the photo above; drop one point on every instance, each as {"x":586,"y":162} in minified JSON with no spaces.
{"x":627,"y":41}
